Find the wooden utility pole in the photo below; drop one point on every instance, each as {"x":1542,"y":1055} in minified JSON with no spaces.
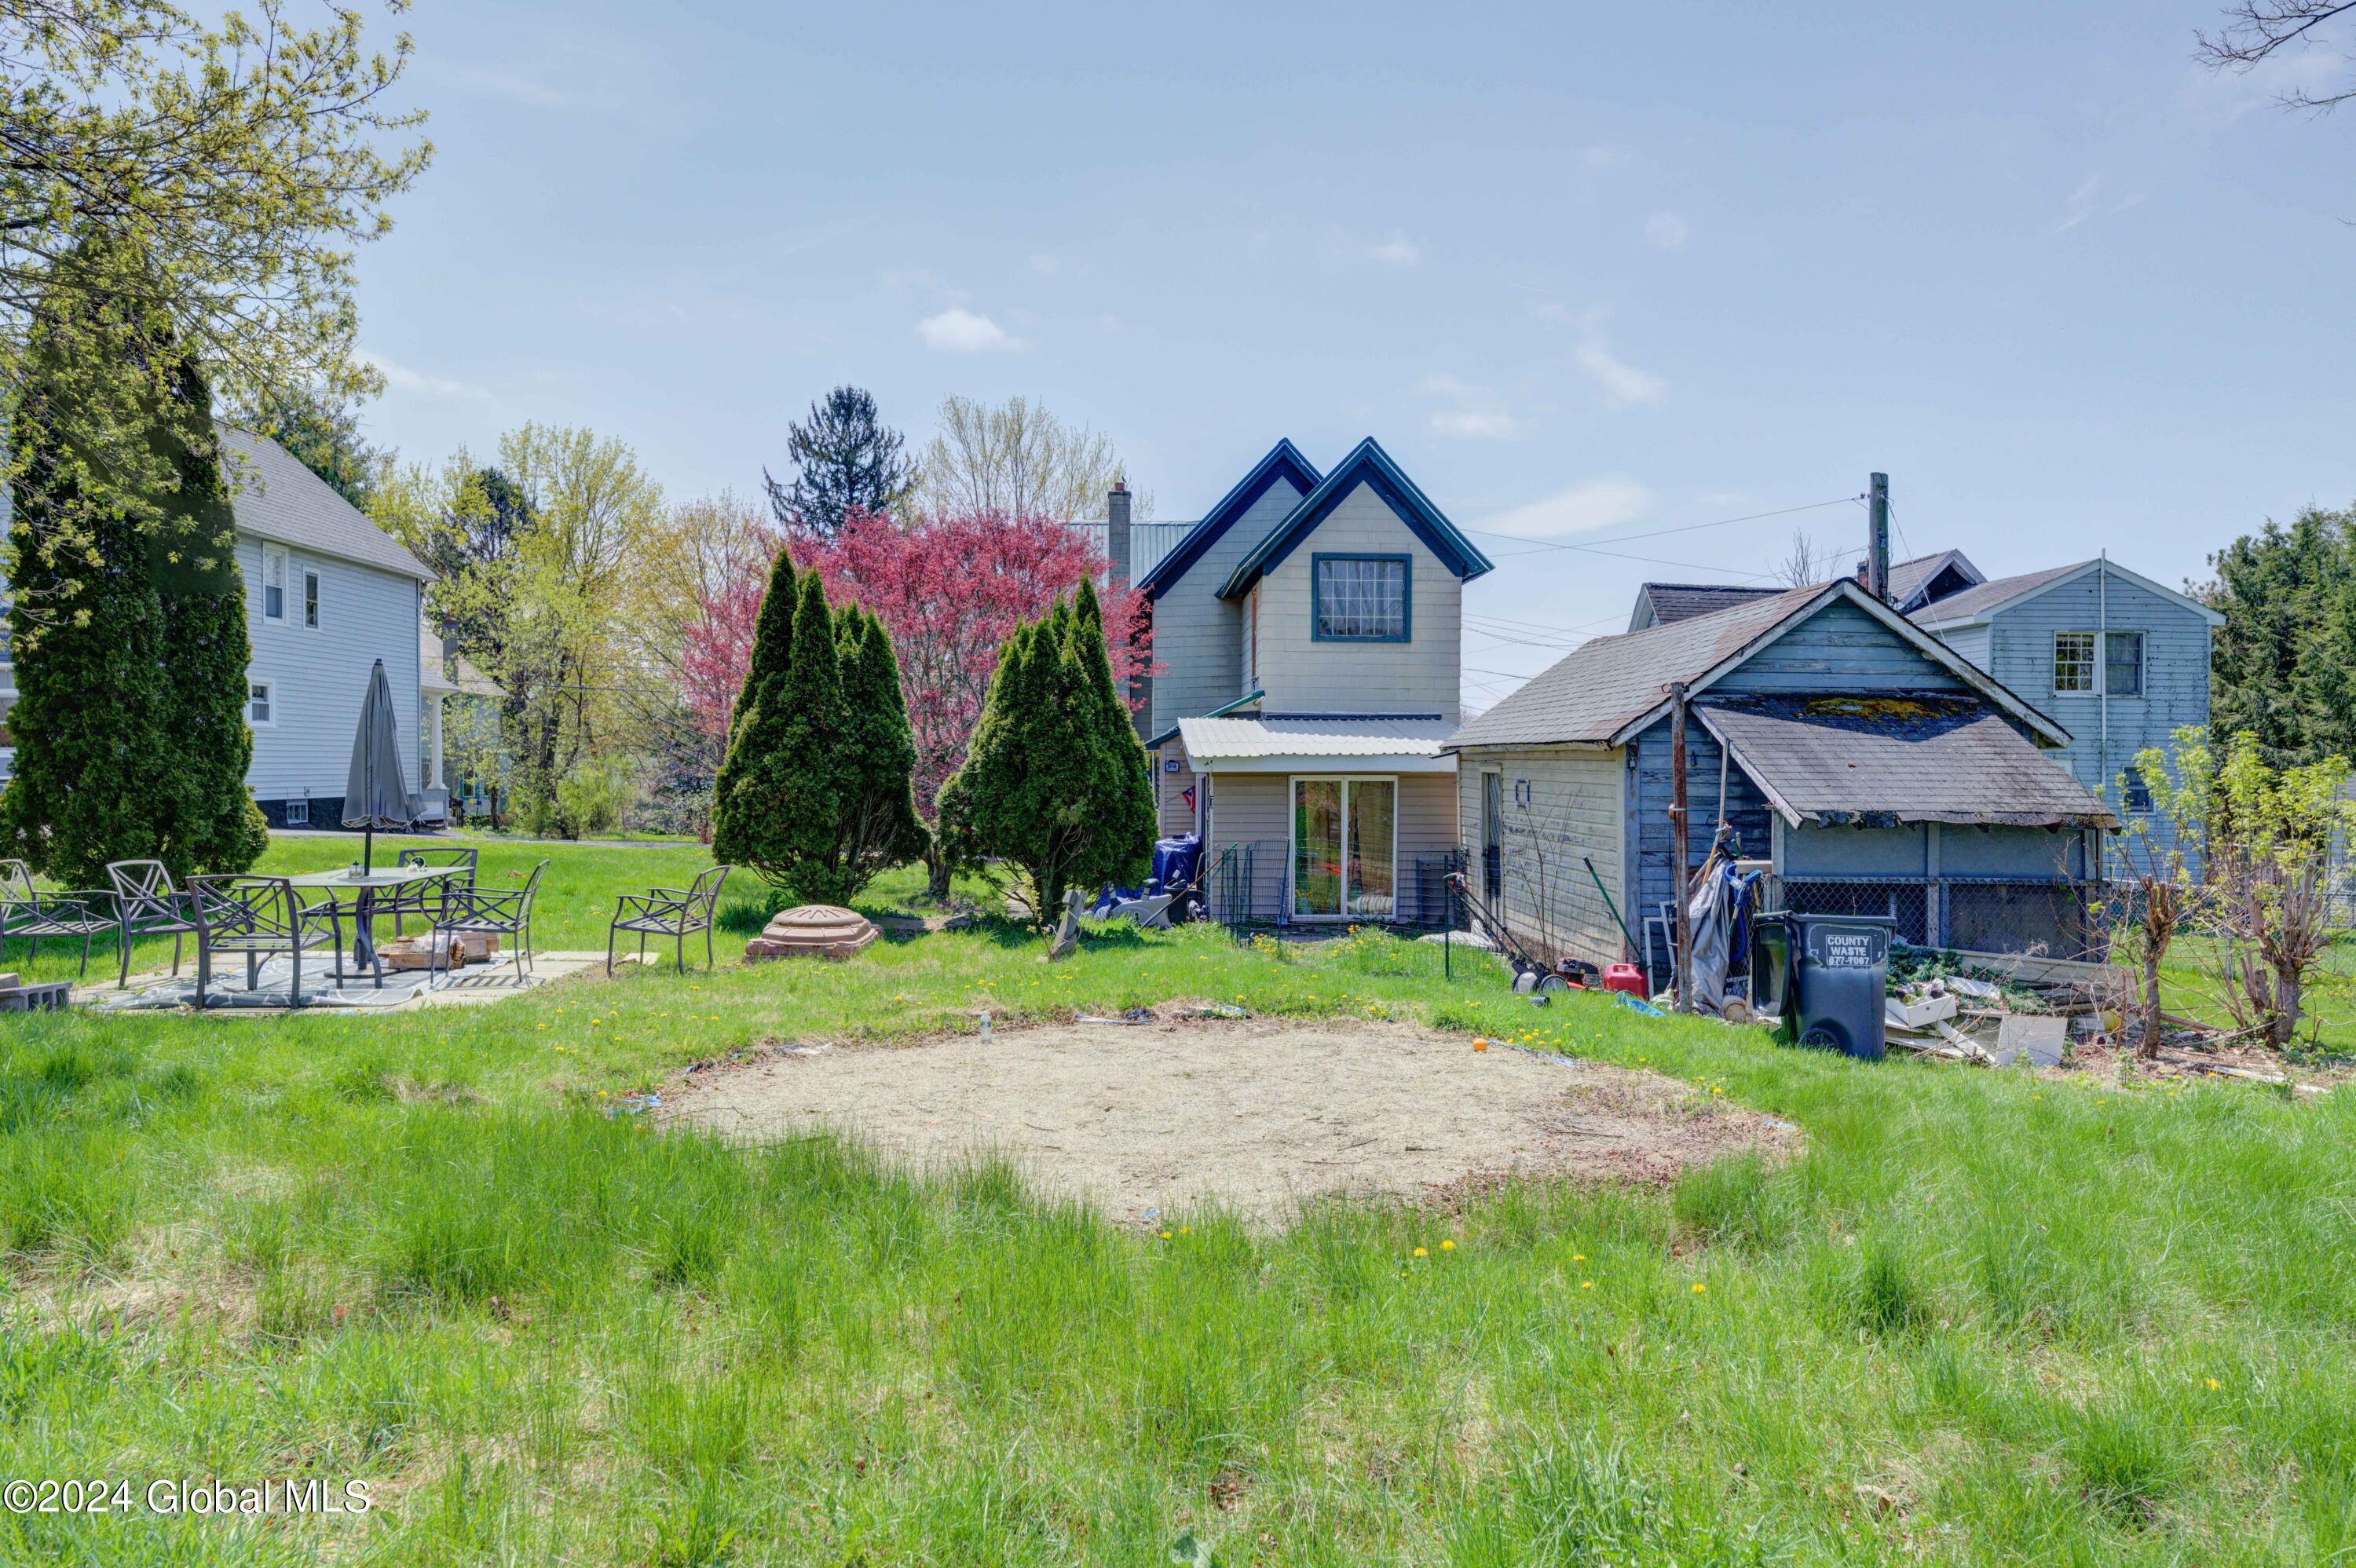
{"x":1681,"y":876}
{"x":1877,"y":571}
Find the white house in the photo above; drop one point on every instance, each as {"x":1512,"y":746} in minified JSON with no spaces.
{"x":327,"y":594}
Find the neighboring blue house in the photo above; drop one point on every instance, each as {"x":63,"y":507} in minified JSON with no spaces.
{"x":2119,"y":660}
{"x":1876,"y":767}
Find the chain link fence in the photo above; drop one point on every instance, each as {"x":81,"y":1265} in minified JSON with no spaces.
{"x":2057,"y":919}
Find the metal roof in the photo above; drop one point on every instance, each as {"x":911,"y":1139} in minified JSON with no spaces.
{"x":1609,"y":687}
{"x":1683,"y":601}
{"x":1244,"y":738}
{"x":279,"y":499}
{"x":1878,"y":761}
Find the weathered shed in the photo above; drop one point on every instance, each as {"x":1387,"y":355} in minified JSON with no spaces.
{"x":1878,"y":769}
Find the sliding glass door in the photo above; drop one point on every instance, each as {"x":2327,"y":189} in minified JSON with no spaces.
{"x":1344,"y":843}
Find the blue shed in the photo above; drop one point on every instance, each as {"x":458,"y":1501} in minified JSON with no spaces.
{"x":1876,"y":768}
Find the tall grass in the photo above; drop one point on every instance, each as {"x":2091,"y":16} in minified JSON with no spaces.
{"x":1981,"y":1318}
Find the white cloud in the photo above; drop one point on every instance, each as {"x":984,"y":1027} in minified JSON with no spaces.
{"x":1045,"y":265}
{"x":1622,"y":385}
{"x":401,"y":378}
{"x":958,"y":330}
{"x":2083,"y":204}
{"x":1590,"y":504}
{"x":1398,"y":250}
{"x":1475,"y":424}
{"x":1665,"y":230}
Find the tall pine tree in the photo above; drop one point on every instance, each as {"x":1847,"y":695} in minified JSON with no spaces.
{"x":845,"y":459}
{"x":739,"y":807}
{"x":131,"y":653}
{"x":879,"y":826}
{"x":1044,"y":786}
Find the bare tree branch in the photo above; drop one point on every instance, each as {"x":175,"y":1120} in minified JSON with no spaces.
{"x":2257,"y":30}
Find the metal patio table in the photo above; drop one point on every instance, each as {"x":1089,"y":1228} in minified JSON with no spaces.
{"x":364,"y":886}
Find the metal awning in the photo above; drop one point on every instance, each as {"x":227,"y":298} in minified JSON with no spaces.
{"x":1360,"y":743}
{"x":1881,"y":760}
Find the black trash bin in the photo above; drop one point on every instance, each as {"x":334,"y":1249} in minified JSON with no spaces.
{"x":1825,"y":976}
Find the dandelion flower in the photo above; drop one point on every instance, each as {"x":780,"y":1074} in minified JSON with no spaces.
{"x":1587,"y":1284}
{"x":1448,"y":1245}
{"x":1700,"y":1289}
{"x":1579,"y":1257}
{"x":1421,"y":1253}
{"x":2213,"y":1384}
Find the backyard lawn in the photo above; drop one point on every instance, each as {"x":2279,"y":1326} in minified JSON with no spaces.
{"x":1981,"y":1317}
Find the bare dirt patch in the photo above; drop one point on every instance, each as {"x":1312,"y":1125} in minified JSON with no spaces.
{"x":1258,"y":1115}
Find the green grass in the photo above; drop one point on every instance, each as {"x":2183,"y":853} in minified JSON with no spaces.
{"x":2328,"y":1020}
{"x":1984,"y":1317}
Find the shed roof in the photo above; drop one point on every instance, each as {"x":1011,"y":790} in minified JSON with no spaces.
{"x":1880,"y":760}
{"x":1609,"y":687}
{"x":279,"y":499}
{"x":1683,"y":601}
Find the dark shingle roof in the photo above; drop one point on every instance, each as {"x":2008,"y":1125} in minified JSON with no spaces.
{"x":1907,"y":578}
{"x":1683,"y":601}
{"x":1989,"y":595}
{"x":1881,"y":760}
{"x":279,"y":499}
{"x":1599,"y":686}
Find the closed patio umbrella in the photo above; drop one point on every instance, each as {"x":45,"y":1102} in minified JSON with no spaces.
{"x":376,"y":793}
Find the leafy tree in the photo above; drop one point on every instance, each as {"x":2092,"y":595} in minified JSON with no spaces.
{"x":1045,"y":788}
{"x":234,"y":166}
{"x":324,"y":437}
{"x":1017,"y":459}
{"x":846,"y":459}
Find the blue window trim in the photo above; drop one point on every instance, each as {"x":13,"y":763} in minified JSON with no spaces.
{"x":1283,"y":462}
{"x":1317,"y":632}
{"x":1367,"y":462}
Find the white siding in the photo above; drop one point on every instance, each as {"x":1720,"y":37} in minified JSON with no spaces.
{"x":1301,"y":674}
{"x":1197,"y":636}
{"x":319,"y":675}
{"x":1572,"y":809}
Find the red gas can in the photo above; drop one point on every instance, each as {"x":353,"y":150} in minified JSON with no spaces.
{"x":1624,"y":977}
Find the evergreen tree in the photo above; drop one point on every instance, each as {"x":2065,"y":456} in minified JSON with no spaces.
{"x":213,"y":824}
{"x":845,"y":460}
{"x":880,"y":827}
{"x":1045,"y":787}
{"x":324,"y":437}
{"x":86,"y":625}
{"x":782,"y":795}
{"x":2277,"y":589}
{"x":737,"y":807}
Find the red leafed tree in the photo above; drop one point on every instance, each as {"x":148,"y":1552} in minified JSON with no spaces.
{"x":949,"y":589}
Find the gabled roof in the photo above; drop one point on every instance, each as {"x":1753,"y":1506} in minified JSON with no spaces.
{"x":1369,"y":462}
{"x":1909,"y":579}
{"x":1610,"y":689}
{"x":1877,"y":761}
{"x":279,"y":499}
{"x":1976,"y":605}
{"x":1668,"y":601}
{"x":1283,"y":462}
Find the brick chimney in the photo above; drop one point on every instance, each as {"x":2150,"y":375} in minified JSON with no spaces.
{"x":1117,"y":531}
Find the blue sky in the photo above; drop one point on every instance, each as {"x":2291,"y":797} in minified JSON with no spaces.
{"x":1587,"y":272}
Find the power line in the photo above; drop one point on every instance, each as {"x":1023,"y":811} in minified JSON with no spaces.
{"x":1659,"y":533}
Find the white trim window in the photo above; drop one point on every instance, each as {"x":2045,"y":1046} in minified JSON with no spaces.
{"x":2073,"y":661}
{"x":2123,"y":664}
{"x":273,"y":583}
{"x":298,"y":814}
{"x":261,"y":703}
{"x":311,"y":600}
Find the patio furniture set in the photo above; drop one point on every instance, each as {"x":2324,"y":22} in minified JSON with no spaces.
{"x":260,"y":918}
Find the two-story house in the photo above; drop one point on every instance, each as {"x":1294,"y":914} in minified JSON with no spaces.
{"x":1307,"y":635}
{"x":2119,"y":660}
{"x":327,"y":594}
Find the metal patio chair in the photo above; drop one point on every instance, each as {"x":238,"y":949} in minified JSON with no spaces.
{"x":259,"y":917}
{"x":493,"y":911}
{"x":675,"y":912}
{"x":147,"y":905}
{"x":423,"y":899}
{"x":27,"y":912}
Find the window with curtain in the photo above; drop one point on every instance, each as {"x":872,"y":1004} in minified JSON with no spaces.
{"x":2123,"y":664}
{"x":1361,"y":598}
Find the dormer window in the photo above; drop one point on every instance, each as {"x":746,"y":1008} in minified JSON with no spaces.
{"x":1360,"y":598}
